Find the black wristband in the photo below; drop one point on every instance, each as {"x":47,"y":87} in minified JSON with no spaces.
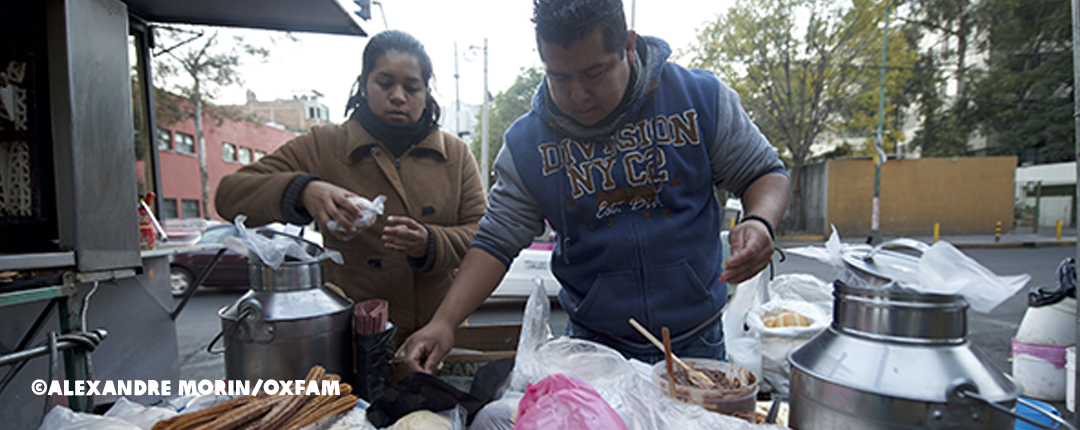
{"x":768,"y":225}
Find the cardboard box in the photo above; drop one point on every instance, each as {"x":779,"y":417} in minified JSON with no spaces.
{"x":474,"y":346}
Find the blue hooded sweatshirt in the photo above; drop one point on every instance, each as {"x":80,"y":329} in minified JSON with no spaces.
{"x":632,"y":199}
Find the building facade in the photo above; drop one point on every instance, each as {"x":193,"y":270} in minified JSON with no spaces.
{"x":230,"y":144}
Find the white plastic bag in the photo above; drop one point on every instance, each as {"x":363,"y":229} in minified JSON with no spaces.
{"x":272,"y":250}
{"x":741,"y":345}
{"x":944,"y":269}
{"x":369,"y":211}
{"x":778,"y":342}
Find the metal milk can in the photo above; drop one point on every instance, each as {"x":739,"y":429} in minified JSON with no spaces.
{"x":287,"y":322}
{"x":894,"y":358}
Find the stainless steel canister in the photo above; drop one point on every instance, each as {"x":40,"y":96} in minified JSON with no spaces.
{"x":286,"y":323}
{"x":896,"y":359}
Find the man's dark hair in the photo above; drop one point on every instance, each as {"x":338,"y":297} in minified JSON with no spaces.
{"x":567,"y":21}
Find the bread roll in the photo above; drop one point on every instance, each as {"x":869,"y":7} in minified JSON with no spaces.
{"x":422,"y":420}
{"x":786,"y":319}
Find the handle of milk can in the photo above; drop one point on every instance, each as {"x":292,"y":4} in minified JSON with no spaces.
{"x":967,"y":389}
{"x":232,"y":327}
{"x":902,"y":242}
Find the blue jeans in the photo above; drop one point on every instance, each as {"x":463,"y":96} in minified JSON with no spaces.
{"x":706,"y":343}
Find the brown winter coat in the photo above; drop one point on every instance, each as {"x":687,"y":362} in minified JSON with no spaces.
{"x":435,"y":182}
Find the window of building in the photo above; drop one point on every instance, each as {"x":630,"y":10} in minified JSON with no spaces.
{"x":190,"y":208}
{"x":258,"y":154}
{"x":185,"y":143}
{"x":243,"y":155}
{"x":168,"y":209}
{"x":228,"y":152}
{"x":164,"y":140}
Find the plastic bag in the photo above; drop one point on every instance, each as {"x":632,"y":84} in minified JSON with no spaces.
{"x":369,"y":211}
{"x":374,"y":362}
{"x":62,"y":418}
{"x":741,"y":345}
{"x":624,"y":384}
{"x":564,"y":402}
{"x":945,"y":269}
{"x":272,"y":251}
{"x":140,"y":415}
{"x":942,"y":269}
{"x":778,"y":342}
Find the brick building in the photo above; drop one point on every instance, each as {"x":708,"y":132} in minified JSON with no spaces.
{"x":297,"y":114}
{"x":229,"y":145}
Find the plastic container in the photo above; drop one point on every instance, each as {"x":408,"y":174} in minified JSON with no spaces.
{"x":1040,"y":369}
{"x":1049,"y":325}
{"x":725,"y":401}
{"x":1039,"y":417}
{"x":1070,"y":378}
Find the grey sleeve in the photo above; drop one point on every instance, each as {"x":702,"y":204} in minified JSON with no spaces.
{"x":513,"y":216}
{"x":740,"y":154}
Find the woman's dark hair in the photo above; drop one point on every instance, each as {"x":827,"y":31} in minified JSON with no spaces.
{"x":405,"y":43}
{"x":567,"y":21}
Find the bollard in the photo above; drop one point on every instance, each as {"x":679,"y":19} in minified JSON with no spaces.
{"x":937,"y":230}
{"x":1058,"y":229}
{"x":997,"y":232}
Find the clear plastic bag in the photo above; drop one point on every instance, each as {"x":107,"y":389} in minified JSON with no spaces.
{"x":272,"y":251}
{"x":624,"y":384}
{"x":369,"y":212}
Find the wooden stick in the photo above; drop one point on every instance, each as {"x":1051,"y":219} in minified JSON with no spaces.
{"x":694,"y":373}
{"x":667,"y":358}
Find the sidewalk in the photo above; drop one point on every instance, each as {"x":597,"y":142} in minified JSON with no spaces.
{"x":1019,"y":237}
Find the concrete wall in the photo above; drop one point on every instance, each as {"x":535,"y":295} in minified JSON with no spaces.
{"x":963,"y":195}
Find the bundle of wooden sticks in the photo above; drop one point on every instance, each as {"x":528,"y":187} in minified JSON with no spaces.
{"x":268,"y":412}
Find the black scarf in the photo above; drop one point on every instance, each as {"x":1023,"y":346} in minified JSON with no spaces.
{"x":397,"y":138}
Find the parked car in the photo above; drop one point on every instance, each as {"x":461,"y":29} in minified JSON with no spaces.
{"x":532,"y":262}
{"x":232,"y":268}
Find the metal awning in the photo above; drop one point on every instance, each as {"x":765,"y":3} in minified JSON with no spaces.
{"x":316,"y":16}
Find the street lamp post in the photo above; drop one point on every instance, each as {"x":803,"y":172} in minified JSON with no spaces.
{"x":484,"y":126}
{"x":879,"y":156}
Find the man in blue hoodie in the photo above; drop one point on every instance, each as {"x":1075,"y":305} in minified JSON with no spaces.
{"x":620,"y":154}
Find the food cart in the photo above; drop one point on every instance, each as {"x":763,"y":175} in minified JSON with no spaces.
{"x":79,"y":298}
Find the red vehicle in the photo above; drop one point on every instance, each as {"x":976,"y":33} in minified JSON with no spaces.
{"x":230,"y":272}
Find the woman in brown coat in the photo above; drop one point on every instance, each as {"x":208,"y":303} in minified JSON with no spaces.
{"x":391,"y":145}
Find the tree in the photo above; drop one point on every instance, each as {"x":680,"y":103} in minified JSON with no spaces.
{"x":805,"y":68}
{"x":505,"y":108}
{"x":1024,"y":102}
{"x":208,"y":67}
{"x":946,"y":126}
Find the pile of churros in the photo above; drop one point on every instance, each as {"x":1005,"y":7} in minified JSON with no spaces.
{"x":268,"y":412}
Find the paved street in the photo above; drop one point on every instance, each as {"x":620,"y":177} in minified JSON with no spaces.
{"x":990,"y":333}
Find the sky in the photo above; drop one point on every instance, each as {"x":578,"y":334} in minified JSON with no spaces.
{"x":330,"y":64}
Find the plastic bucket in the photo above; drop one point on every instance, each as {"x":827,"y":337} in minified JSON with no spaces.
{"x":1070,"y":378}
{"x":1027,"y":412}
{"x":1040,"y":369}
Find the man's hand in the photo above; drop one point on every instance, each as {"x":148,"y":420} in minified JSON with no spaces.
{"x":326,"y":202}
{"x":427,"y":347}
{"x":751,"y":251}
{"x":405,"y":235}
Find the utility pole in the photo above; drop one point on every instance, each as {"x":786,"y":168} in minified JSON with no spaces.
{"x":879,"y":155}
{"x":484,"y":125}
{"x":1076,"y":117}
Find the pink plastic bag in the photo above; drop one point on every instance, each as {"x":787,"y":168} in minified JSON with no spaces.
{"x":564,"y":402}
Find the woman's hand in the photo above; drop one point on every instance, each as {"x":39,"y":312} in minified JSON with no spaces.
{"x":328,"y":202}
{"x":405,"y":235}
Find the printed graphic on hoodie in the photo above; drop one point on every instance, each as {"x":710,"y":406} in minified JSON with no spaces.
{"x":624,"y":172}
